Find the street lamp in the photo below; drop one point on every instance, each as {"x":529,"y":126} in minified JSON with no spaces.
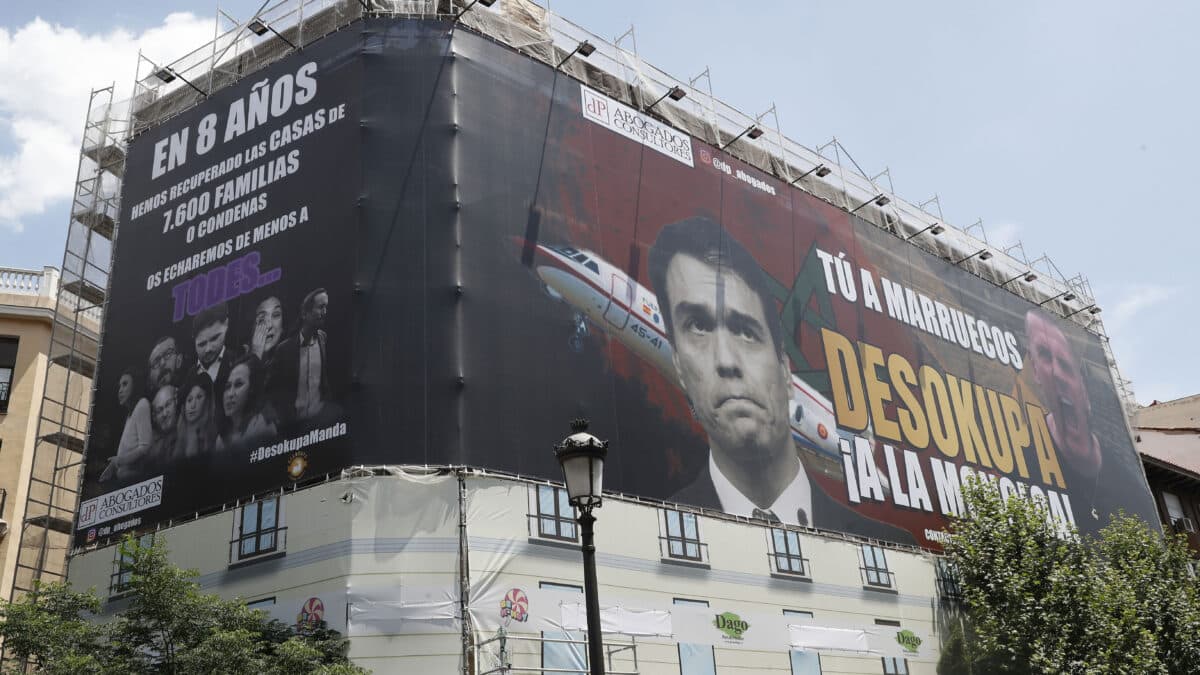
{"x":582,"y":458}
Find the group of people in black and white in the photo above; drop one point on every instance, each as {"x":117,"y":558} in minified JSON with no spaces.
{"x":222,"y":396}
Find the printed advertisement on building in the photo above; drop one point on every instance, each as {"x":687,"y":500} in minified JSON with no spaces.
{"x":436,"y":258}
{"x":745,"y":346}
{"x":224,"y":359}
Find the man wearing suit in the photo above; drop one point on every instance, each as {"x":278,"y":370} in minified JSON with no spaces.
{"x":728,"y":353}
{"x":299,"y":382}
{"x":213,"y":358}
{"x":209,"y":329}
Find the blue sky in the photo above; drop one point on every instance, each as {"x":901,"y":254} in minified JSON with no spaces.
{"x":1069,"y":126}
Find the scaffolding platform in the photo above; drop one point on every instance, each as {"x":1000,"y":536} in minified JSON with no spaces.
{"x":64,"y":440}
{"x":109,"y":157}
{"x":87,"y":292}
{"x":76,"y":363}
{"x":53,"y":523}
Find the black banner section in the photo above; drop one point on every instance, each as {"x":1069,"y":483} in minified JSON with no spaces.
{"x":226,"y":357}
{"x":418,"y":246}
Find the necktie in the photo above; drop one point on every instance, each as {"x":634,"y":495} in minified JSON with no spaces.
{"x":770,"y":517}
{"x":767,"y":515}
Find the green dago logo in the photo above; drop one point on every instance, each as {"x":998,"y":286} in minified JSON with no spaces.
{"x":731,"y":625}
{"x":908,"y":640}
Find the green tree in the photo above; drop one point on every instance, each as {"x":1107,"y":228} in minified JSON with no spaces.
{"x":169,"y":627}
{"x":1041,"y":599}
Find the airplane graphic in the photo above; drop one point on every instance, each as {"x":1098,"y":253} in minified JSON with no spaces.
{"x":603,"y":294}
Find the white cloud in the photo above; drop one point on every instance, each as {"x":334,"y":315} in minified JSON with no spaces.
{"x":1002,"y":235}
{"x":46,"y":72}
{"x":1131,"y":301}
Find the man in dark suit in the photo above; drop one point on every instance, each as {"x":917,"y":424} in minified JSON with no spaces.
{"x":727,"y":347}
{"x":209,"y":330}
{"x":299,"y":382}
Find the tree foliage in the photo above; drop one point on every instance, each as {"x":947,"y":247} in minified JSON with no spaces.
{"x":1038,"y":599}
{"x":169,"y":627}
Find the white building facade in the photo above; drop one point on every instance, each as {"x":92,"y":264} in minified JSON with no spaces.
{"x":461,"y":571}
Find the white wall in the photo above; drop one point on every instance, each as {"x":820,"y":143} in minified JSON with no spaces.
{"x":381,"y":553}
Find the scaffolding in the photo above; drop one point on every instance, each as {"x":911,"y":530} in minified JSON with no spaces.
{"x":51,"y":495}
{"x":507,"y":653}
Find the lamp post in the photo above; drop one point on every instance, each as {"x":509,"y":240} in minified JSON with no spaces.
{"x":582,"y":458}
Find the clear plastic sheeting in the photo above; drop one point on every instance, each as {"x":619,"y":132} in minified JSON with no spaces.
{"x":390,"y":610}
{"x":623,"y":620}
{"x":828,"y":637}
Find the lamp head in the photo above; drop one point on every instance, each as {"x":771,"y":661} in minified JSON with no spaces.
{"x":582,"y":458}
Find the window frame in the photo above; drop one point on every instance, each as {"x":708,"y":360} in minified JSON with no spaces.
{"x":712,"y":655}
{"x":774,"y":536}
{"x":899,"y":665}
{"x":561,"y":523}
{"x":1181,"y":523}
{"x":576,"y":641}
{"x":667,"y":540}
{"x":9,"y":365}
{"x":276,"y":532}
{"x":261,"y":603}
{"x":883,"y":576}
{"x":119,"y":587}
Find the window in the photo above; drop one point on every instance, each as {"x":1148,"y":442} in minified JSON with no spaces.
{"x":118,"y":582}
{"x":786,"y":555}
{"x":682,"y":539}
{"x":553,"y":514}
{"x":261,"y":603}
{"x":802,"y":613}
{"x":806,"y":663}
{"x":564,"y":651}
{"x":894,"y":665}
{"x":887,"y":622}
{"x":875,"y":569}
{"x":8,"y":361}
{"x":948,"y":583}
{"x":258,"y":530}
{"x":1175,"y":515}
{"x":695,"y":659}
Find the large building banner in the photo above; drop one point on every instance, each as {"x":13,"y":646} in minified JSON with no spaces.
{"x":226,"y":342}
{"x":411,"y":244}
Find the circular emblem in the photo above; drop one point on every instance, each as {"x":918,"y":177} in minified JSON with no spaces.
{"x":312,"y":612}
{"x":822,"y":431}
{"x":297,"y":465}
{"x":514,"y":606}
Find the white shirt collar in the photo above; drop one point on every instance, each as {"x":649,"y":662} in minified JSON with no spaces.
{"x":797,"y":495}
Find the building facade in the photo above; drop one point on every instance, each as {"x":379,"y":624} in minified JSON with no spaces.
{"x":1168,"y":440}
{"x":27,"y":313}
{"x":407,"y":242}
{"x":461,"y":571}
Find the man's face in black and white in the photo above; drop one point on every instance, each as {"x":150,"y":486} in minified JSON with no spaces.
{"x":314,"y":317}
{"x":210,"y":341}
{"x":164,"y":409}
{"x":726,"y":360}
{"x":165,"y":361}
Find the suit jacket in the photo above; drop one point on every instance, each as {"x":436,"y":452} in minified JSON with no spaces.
{"x":827,"y":513}
{"x":226,"y":359}
{"x":283,"y":381}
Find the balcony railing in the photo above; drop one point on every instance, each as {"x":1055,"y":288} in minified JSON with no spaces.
{"x":43,"y":282}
